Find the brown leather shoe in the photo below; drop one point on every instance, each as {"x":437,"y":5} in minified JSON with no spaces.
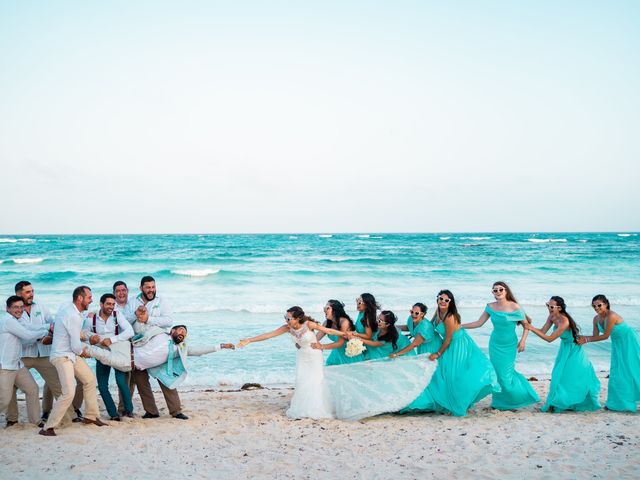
{"x":96,"y":422}
{"x":11,"y":423}
{"x":48,"y":432}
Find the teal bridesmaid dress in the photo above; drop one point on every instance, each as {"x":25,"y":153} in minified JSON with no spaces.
{"x":515,"y":390}
{"x":574,"y":384}
{"x":432,"y":339}
{"x":338,"y":355}
{"x":624,"y":376}
{"x":386,"y":349}
{"x":463,"y":377}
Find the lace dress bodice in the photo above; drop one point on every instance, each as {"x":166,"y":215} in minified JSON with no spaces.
{"x":303,"y":337}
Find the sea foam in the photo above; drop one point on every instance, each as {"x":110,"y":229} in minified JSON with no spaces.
{"x":204,"y":272}
{"x":27,"y":260}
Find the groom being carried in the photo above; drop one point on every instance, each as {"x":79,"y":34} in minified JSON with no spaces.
{"x":163,"y":355}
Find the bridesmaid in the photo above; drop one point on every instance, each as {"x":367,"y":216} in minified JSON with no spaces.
{"x":464,"y":375}
{"x":425,"y":338}
{"x":337,"y":319}
{"x":505,"y":313}
{"x":366,"y":323}
{"x":624,"y":376}
{"x":574,"y":384}
{"x":387,"y":339}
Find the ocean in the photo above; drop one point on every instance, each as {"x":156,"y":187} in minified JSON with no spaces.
{"x":228,"y":287}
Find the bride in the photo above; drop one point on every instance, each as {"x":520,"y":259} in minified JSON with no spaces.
{"x":350,"y":391}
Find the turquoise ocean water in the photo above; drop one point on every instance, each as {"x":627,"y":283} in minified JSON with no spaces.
{"x":226,"y":287}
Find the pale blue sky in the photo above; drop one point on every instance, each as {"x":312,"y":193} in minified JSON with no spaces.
{"x":319,"y":116}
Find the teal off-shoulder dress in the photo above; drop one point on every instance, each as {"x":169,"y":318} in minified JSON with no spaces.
{"x":338,"y":355}
{"x":574,"y":384}
{"x":386,"y":349}
{"x":463,"y":377}
{"x":624,"y":376}
{"x":432,"y":339}
{"x":515,"y":390}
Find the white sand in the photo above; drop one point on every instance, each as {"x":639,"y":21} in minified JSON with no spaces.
{"x":246,"y":435}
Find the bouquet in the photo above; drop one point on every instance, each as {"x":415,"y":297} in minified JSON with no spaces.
{"x":354,"y":347}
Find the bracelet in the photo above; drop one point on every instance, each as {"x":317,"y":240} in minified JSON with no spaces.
{"x":586,"y":340}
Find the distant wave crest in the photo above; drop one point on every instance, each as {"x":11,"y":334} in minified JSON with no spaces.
{"x":27,"y":260}
{"x":202,"y":272}
{"x":547,"y":240}
{"x":16,"y":240}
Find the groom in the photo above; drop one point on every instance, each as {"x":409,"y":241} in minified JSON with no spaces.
{"x":163,"y":355}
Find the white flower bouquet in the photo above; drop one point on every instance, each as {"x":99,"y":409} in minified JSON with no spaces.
{"x":354,"y":347}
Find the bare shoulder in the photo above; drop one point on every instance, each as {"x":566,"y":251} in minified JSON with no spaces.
{"x":614,"y":316}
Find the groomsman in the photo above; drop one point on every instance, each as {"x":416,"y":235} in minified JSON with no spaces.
{"x":104,"y":329}
{"x":66,"y":353}
{"x":35,"y":354}
{"x":123,"y":305}
{"x":151,"y":310}
{"x":12,"y":370}
{"x":121,"y":292}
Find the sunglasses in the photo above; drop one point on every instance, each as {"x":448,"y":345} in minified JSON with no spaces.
{"x":443,"y":299}
{"x":553,"y":307}
{"x":498,"y":290}
{"x":286,"y":318}
{"x":598,"y":305}
{"x":381,"y":320}
{"x":414,"y":313}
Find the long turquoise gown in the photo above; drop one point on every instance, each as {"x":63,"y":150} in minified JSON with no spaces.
{"x":463,"y":377}
{"x":624,"y":376}
{"x":338,"y":355}
{"x":515,"y":390}
{"x":574,"y":384}
{"x":432,"y":339}
{"x":360,"y":329}
{"x":385,"y":350}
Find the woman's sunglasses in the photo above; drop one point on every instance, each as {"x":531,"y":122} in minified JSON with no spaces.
{"x":498,"y":290}
{"x":553,"y":307}
{"x":444,"y":299}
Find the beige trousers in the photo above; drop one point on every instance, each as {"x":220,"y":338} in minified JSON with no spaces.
{"x":68,"y":372}
{"x":52,"y":388}
{"x":24,"y":381}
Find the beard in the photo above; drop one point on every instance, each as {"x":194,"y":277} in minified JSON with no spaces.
{"x":149,"y":296}
{"x":177,"y":339}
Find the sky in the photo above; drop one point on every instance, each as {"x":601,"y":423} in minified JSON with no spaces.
{"x":332,"y":116}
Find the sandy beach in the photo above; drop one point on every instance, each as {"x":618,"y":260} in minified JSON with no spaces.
{"x":244,"y":434}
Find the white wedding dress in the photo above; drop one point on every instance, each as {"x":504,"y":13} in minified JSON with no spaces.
{"x":310,"y":398}
{"x":356,"y":390}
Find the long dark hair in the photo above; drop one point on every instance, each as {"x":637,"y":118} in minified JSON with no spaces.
{"x":451,"y":308}
{"x":392,"y":334}
{"x":337,"y":307}
{"x":603,"y":299}
{"x":575,"y":330}
{"x":297,"y":313}
{"x":371,"y":308}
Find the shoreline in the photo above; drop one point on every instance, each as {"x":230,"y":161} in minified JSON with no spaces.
{"x":247,"y":435}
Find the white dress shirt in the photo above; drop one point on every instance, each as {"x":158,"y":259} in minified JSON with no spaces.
{"x":127,"y":310}
{"x":153,"y":353}
{"x":12,"y":334}
{"x":66,"y":333}
{"x":107,"y":329}
{"x":39,"y":316}
{"x":160,"y":313}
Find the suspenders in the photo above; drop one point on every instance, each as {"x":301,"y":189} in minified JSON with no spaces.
{"x":115,"y":319}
